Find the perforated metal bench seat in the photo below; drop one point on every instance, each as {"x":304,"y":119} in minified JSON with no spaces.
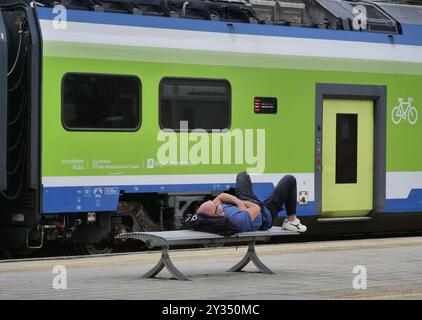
{"x":165,"y":239}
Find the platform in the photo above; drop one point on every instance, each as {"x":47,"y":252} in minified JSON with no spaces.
{"x":314,"y":270}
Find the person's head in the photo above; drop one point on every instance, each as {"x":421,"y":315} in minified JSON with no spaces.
{"x":210,"y":208}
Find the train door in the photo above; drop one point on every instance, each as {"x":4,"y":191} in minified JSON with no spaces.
{"x":348,"y":158}
{"x":3,"y":104}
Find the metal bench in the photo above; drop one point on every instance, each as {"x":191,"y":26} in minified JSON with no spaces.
{"x":165,"y":239}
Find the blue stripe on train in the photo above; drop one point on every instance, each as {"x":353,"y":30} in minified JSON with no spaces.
{"x":412,"y":203}
{"x":411,"y":33}
{"x":105,"y":198}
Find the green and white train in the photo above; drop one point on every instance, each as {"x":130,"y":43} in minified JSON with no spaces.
{"x":94,"y":93}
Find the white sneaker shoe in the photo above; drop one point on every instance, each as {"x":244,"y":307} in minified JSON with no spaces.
{"x":294,"y":225}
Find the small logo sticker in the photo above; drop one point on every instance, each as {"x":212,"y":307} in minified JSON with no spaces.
{"x":404,"y":111}
{"x":150,"y":163}
{"x":303,"y":197}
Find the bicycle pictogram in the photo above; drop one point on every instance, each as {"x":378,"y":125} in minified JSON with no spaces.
{"x":405,"y":111}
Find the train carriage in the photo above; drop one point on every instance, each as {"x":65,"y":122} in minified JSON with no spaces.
{"x":124,"y":115}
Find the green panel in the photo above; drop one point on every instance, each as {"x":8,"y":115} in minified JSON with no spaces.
{"x":130,"y":150}
{"x":289,"y":135}
{"x":348,"y":199}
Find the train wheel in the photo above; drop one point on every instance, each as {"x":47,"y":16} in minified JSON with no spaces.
{"x":93,"y":248}
{"x":20,"y":253}
{"x":4,"y":254}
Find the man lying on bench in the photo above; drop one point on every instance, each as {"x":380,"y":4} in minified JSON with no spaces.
{"x":249,"y":213}
{"x":245,"y":211}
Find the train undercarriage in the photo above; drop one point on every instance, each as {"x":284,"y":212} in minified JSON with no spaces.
{"x":93,"y":233}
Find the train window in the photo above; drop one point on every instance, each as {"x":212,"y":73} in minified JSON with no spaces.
{"x":203,"y":103}
{"x":101,"y":102}
{"x":346,"y":148}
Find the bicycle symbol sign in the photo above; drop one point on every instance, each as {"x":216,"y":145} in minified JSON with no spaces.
{"x":405,"y":111}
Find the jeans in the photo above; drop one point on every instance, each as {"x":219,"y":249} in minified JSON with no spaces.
{"x":283,"y":196}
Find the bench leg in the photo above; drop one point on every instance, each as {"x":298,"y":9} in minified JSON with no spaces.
{"x":165,"y":261}
{"x":251,"y":256}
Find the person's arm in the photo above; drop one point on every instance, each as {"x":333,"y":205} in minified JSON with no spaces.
{"x":252,"y":208}
{"x":228,"y":198}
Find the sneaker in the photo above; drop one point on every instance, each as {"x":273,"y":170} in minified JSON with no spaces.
{"x":294,"y":225}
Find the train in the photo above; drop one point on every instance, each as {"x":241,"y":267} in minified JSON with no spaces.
{"x":119,"y":116}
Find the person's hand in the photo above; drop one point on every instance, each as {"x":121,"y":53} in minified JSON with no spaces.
{"x":218,"y":201}
{"x":252,"y":208}
{"x":242,"y":206}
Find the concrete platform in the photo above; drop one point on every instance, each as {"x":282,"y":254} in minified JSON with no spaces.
{"x":317,"y":270}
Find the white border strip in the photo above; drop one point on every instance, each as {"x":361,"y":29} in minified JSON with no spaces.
{"x":103,"y":34}
{"x":399,"y":184}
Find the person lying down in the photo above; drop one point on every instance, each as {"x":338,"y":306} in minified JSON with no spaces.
{"x":249,"y":213}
